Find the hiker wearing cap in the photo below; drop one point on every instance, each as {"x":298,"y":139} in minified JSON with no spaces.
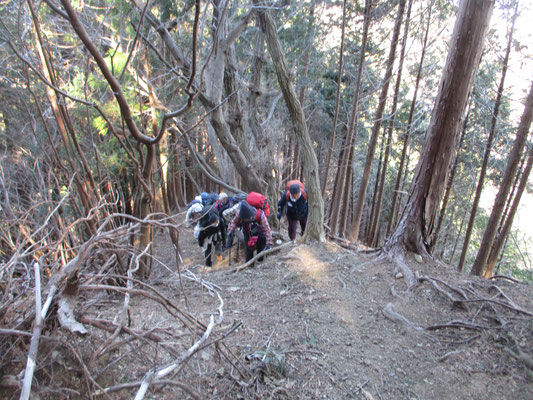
{"x":254,"y":225}
{"x":295,"y":198}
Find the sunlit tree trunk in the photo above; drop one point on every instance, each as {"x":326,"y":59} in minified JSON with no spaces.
{"x":361,"y":196}
{"x":343,"y":180}
{"x":373,"y":236}
{"x":504,"y":232}
{"x":480,"y":262}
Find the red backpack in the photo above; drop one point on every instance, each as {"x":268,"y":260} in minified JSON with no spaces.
{"x":295,"y":182}
{"x":260,"y":202}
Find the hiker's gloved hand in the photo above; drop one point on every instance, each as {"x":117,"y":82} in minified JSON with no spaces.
{"x":279,"y":216}
{"x":267,"y":247}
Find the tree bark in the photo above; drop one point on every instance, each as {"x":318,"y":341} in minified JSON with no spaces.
{"x":488,"y":147}
{"x":415,"y":229}
{"x":504,"y":232}
{"x":449,"y":184}
{"x":514,"y":158}
{"x":315,"y":224}
{"x":373,"y":236}
{"x":337,"y":101}
{"x":358,"y":213}
{"x":398,"y":184}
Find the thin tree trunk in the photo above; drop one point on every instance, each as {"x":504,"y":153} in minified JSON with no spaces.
{"x":416,"y":227}
{"x":504,"y":232}
{"x":356,"y":220}
{"x":514,"y":158}
{"x":488,"y":147}
{"x":374,"y":232}
{"x":395,"y":193}
{"x":337,"y":101}
{"x":343,"y":180}
{"x":315,"y":224}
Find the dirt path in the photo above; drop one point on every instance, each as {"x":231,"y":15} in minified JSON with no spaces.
{"x":313,"y":327}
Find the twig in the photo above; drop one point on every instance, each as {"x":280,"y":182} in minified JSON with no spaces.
{"x":257,"y":256}
{"x":34,"y":345}
{"x":164,"y":371}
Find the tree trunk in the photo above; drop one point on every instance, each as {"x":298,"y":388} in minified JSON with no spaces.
{"x":343,"y":181}
{"x":415,"y":229}
{"x":488,"y":148}
{"x":375,"y":225}
{"x":449,"y":184}
{"x":315,"y":224}
{"x":504,"y":232}
{"x":510,"y":171}
{"x":395,"y":193}
{"x":337,"y":101}
{"x":356,"y":220}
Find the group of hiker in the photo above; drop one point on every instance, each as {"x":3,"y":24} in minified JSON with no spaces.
{"x":248,"y":220}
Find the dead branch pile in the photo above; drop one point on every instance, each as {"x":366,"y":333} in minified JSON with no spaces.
{"x":88,"y":338}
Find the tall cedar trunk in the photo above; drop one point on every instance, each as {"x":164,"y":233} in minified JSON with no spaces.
{"x":510,"y":171}
{"x":315,"y":227}
{"x":375,"y":225}
{"x":367,"y":227}
{"x":399,"y":178}
{"x":488,"y":147}
{"x":504,"y":232}
{"x":415,"y":229}
{"x":337,"y":102}
{"x":449,"y":184}
{"x":361,"y":196}
{"x":343,"y":185}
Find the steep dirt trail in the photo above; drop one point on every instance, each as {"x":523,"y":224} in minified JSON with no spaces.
{"x":313,"y":327}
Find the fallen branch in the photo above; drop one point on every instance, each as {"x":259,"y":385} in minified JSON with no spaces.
{"x":130,"y":385}
{"x":164,"y":371}
{"x":257,"y":256}
{"x":34,"y":344}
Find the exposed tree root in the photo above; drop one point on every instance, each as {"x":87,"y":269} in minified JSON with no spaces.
{"x":391,"y":314}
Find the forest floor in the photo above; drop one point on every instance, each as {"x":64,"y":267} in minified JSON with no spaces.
{"x":312,"y":321}
{"x":314,"y":327}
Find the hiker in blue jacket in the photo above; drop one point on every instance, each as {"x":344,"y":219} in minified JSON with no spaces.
{"x":295,"y":198}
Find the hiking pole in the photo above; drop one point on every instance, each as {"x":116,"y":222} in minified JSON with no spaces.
{"x":229,"y":255}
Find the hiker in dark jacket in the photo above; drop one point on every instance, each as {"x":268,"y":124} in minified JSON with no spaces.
{"x":295,"y":199}
{"x":254,"y":226}
{"x":212,"y":234}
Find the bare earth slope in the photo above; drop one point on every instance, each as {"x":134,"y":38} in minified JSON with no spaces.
{"x":323,"y":322}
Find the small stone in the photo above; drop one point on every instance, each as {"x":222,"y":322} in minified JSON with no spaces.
{"x":419,"y":258}
{"x":399,"y":275}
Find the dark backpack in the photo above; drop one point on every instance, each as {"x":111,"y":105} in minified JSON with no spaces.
{"x":260,"y":202}
{"x":295,"y":182}
{"x":208,"y":213}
